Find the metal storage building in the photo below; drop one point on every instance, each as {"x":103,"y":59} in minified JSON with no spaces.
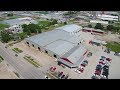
{"x":56,"y":43}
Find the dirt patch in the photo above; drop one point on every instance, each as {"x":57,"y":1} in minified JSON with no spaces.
{"x":109,"y":37}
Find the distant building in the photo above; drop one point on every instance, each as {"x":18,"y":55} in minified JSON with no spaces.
{"x":93,"y":31}
{"x":15,"y":29}
{"x":108,"y":17}
{"x":99,"y":21}
{"x":15,"y":24}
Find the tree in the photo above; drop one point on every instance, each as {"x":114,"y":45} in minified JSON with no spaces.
{"x":3,"y":26}
{"x":10,"y":14}
{"x":26,"y":29}
{"x":116,"y":29}
{"x":22,"y":35}
{"x":31,"y":28}
{"x":54,"y":21}
{"x":90,"y":26}
{"x":5,"y":36}
{"x":99,"y":26}
{"x":110,"y":27}
{"x":65,"y":23}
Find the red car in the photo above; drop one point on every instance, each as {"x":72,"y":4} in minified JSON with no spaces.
{"x":101,"y":62}
{"x":97,"y":72}
{"x":54,"y":69}
{"x":108,"y":59}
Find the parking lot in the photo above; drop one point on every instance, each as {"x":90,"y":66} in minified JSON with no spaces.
{"x":47,"y":61}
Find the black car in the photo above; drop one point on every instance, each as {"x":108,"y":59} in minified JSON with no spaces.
{"x":105,"y":73}
{"x":16,"y":55}
{"x":63,"y":76}
{"x":106,"y":68}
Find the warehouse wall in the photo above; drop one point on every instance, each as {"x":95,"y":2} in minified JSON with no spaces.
{"x":42,"y":49}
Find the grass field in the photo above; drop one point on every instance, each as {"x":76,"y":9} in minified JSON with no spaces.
{"x":114,"y":46}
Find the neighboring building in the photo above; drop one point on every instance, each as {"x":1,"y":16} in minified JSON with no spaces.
{"x":93,"y":31}
{"x":97,"y":42}
{"x":108,"y":17}
{"x":99,"y":21}
{"x":15,"y":24}
{"x":20,"y":21}
{"x":59,"y":42}
{"x":15,"y":29}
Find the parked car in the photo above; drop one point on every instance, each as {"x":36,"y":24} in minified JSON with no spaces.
{"x":105,"y":73}
{"x":103,"y":57}
{"x":84,"y":63}
{"x":94,"y":77}
{"x":105,"y":68}
{"x":97,"y":72}
{"x":102,"y":62}
{"x":16,"y":55}
{"x":54,"y":69}
{"x":79,"y":70}
{"x":107,"y":50}
{"x":66,"y":77}
{"x":60,"y":74}
{"x":108,"y":59}
{"x":46,"y":77}
{"x":117,"y":53}
{"x":51,"y":68}
{"x":99,"y":67}
{"x":89,"y":54}
{"x":63,"y":76}
{"x":103,"y":77}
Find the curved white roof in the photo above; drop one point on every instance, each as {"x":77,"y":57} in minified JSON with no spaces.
{"x":107,"y":16}
{"x":70,"y":28}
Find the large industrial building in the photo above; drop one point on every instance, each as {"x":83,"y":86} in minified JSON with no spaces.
{"x":62,"y":43}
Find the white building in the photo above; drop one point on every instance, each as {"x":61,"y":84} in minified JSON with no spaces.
{"x":108,"y":17}
{"x":99,"y":21}
{"x":72,"y":29}
{"x":15,"y":29}
{"x":15,"y":24}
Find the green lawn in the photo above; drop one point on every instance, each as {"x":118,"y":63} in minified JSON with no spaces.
{"x":31,"y":60}
{"x":13,"y":17}
{"x":114,"y":46}
{"x":2,"y":26}
{"x":52,"y":27}
{"x":1,"y":19}
{"x":17,"y":50}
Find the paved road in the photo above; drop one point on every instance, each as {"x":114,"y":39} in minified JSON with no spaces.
{"x":24,"y":69}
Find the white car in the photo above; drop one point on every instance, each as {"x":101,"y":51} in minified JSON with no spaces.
{"x":79,"y":70}
{"x":46,"y":77}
